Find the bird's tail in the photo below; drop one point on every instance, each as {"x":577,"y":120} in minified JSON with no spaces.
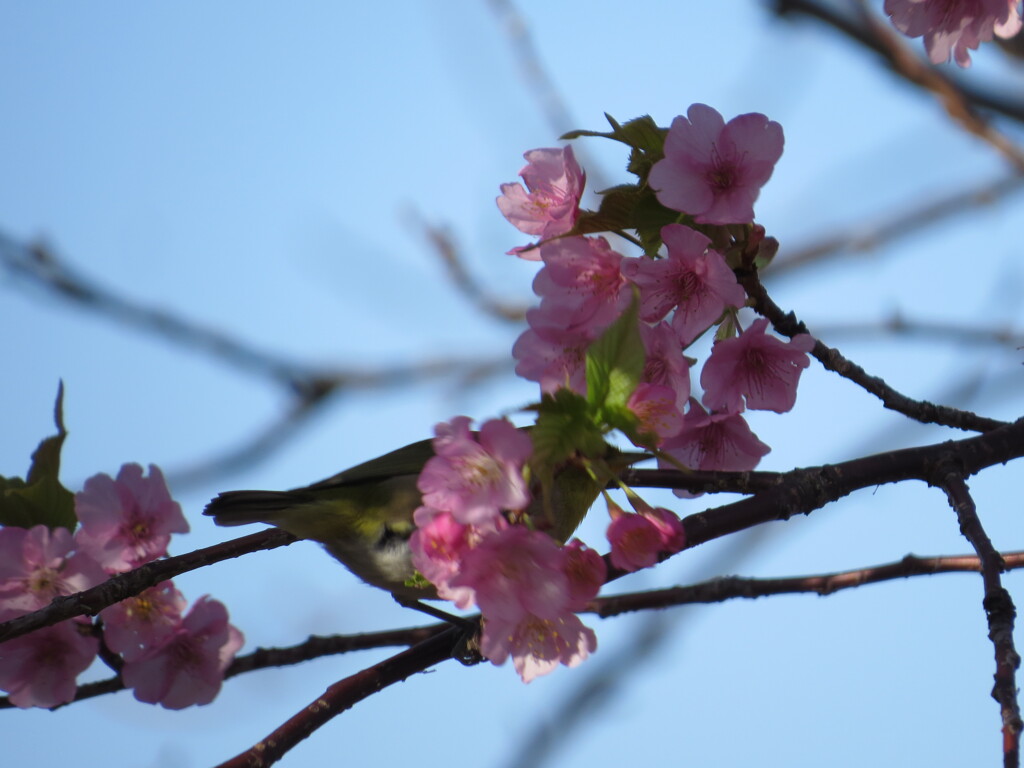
{"x":244,"y":507}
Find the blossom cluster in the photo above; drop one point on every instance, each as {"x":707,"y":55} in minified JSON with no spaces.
{"x":484,"y":537}
{"x":952,"y":28}
{"x":167,"y":656}
{"x":477,"y":541}
{"x":711,"y":172}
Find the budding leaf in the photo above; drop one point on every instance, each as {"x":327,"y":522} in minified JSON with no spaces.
{"x":41,"y":499}
{"x":615,"y":363}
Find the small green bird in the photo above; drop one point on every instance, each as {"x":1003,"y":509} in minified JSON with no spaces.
{"x":364,"y":515}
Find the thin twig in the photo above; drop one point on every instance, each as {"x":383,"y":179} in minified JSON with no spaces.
{"x":999,"y":608}
{"x":872,"y":234}
{"x":731,"y":587}
{"x":919,"y":410}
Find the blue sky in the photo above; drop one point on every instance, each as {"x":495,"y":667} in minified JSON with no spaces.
{"x":253,"y":167}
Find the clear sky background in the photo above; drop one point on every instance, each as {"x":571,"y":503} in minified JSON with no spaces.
{"x":254,"y":167}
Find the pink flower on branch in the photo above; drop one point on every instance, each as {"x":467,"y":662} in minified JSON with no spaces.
{"x":128,"y":521}
{"x":713,"y":170}
{"x":637,"y":540}
{"x":39,"y":669}
{"x":438,"y":546}
{"x":655,"y":407}
{"x":551,"y":351}
{"x":755,"y":367}
{"x":188,"y":667}
{"x":555,"y":182}
{"x":35,"y":568}
{"x":716,"y":441}
{"x":665,"y":363}
{"x":954,"y":27}
{"x":694,"y":281}
{"x":475,"y":479}
{"x":515,"y":572}
{"x":145,"y":621}
{"x":537,"y":645}
{"x":583,"y":276}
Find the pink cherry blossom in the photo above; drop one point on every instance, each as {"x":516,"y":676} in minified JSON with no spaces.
{"x":715,"y":441}
{"x":515,"y":572}
{"x":694,"y":280}
{"x":953,"y":27}
{"x":757,"y":367}
{"x":655,"y":408}
{"x":664,"y":362}
{"x":537,"y":645}
{"x":39,"y":669}
{"x":635,"y":542}
{"x":714,"y":170}
{"x":583,"y":275}
{"x":586,"y":572}
{"x":128,"y":521}
{"x":550,"y":208}
{"x":147,"y":620}
{"x":438,"y":546}
{"x":188,"y":667}
{"x":551,"y":352}
{"x":35,"y":568}
{"x":476,"y":479}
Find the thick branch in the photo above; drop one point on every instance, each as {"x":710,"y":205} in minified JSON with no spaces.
{"x":343,"y":695}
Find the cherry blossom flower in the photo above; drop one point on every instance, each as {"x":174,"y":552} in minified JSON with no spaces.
{"x":714,"y":170}
{"x":954,"y":27}
{"x":635,"y":542}
{"x":188,"y":667}
{"x":551,"y":352}
{"x":537,"y":645}
{"x":476,"y":480}
{"x":550,"y":208}
{"x":716,"y":441}
{"x":638,"y":539}
{"x":144,"y":621}
{"x":583,"y":275}
{"x":515,"y":572}
{"x":128,"y":521}
{"x":655,"y":408}
{"x":35,"y":567}
{"x":438,"y":546}
{"x":664,"y":362}
{"x":694,"y":280}
{"x":586,"y":572}
{"x":756,"y":367}
{"x":39,"y":669}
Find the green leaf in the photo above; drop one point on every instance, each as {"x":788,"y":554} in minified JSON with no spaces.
{"x":649,"y":216}
{"x":614,"y":214}
{"x":615,"y":361}
{"x":42,"y":499}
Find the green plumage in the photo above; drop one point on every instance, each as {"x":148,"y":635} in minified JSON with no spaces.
{"x":363,"y":516}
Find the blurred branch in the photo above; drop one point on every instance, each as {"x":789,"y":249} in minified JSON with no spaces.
{"x":308,"y":386}
{"x":919,"y":410}
{"x":444,"y":246}
{"x":960,"y":98}
{"x":999,"y":607}
{"x":867,"y":236}
{"x":951,"y":333}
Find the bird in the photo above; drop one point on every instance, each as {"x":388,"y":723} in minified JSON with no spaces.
{"x":363,"y":516}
